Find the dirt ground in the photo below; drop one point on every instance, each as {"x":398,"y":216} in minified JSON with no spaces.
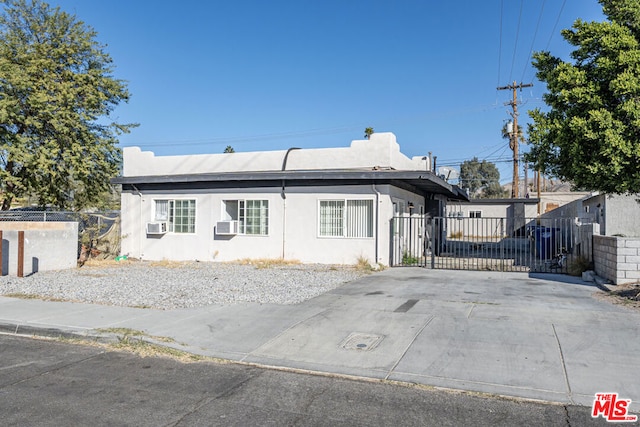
{"x":627,"y":295}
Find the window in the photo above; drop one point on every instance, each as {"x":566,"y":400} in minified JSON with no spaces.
{"x":346,"y":218}
{"x":475,"y":214}
{"x":252,"y":215}
{"x":180,"y":215}
{"x":162,"y":210}
{"x":256,"y":217}
{"x":332,"y":218}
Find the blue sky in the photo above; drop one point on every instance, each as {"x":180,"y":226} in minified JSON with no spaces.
{"x":269,"y":75}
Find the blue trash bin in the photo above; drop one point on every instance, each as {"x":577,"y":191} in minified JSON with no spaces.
{"x":545,"y":238}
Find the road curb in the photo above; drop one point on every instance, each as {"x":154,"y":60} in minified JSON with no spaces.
{"x":31,"y":331}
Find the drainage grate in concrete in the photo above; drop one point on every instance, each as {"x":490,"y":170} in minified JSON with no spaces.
{"x":362,"y":342}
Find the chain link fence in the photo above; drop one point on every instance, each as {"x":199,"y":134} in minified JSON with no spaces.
{"x":98,"y":232}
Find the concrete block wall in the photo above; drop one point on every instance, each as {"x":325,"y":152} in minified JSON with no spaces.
{"x":47,"y":246}
{"x":617,"y":258}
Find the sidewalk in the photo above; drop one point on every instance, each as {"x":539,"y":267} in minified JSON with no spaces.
{"x":536,"y":337}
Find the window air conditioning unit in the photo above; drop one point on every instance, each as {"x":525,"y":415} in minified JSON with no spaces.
{"x":156,"y":227}
{"x":226,"y":227}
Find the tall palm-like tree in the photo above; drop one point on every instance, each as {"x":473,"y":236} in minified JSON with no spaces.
{"x":507,"y":135}
{"x":368,"y":132}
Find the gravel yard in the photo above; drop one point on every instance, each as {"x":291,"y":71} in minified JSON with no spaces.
{"x":165,"y":285}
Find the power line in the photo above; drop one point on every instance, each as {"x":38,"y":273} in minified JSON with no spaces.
{"x":555,"y":25}
{"x":489,"y":156}
{"x":314,"y":132}
{"x":496,"y":146}
{"x":496,"y":160}
{"x":500,"y":41}
{"x":254,"y":138}
{"x":515,"y":45}
{"x":535,"y":34}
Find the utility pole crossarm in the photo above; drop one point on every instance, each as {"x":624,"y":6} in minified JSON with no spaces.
{"x":514,"y":135}
{"x":515,"y":86}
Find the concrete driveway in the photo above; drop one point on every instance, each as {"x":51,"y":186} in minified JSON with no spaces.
{"x":542,"y":337}
{"x":538,"y":337}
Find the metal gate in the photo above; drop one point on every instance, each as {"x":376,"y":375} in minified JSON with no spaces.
{"x":497,"y":244}
{"x":409,"y":241}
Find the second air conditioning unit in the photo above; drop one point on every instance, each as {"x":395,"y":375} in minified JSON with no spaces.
{"x":226,"y":228}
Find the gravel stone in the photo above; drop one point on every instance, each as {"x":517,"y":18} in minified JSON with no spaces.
{"x":181,"y":285}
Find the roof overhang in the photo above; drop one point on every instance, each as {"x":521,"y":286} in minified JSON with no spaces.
{"x":423,"y":182}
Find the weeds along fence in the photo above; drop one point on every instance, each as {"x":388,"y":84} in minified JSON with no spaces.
{"x":98,"y":232}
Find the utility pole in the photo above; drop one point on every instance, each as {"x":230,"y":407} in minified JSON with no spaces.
{"x":526,"y":180}
{"x":513,"y":140}
{"x":538,"y":191}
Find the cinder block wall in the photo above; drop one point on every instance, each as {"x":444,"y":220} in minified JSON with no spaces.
{"x":617,"y":258}
{"x":47,"y":246}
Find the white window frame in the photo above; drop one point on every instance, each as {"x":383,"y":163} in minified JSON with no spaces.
{"x":241,"y":212}
{"x":169,"y":215}
{"x":475,"y":214}
{"x":346,"y":223}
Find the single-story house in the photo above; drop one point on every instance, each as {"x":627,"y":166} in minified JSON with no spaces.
{"x":329,"y":205}
{"x":488,"y":218}
{"x":493,"y":208}
{"x":521,"y":207}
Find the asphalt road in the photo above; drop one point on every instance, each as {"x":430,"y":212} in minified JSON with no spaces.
{"x":53,"y":383}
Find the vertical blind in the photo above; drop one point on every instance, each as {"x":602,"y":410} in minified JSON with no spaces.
{"x":356,"y":220}
{"x":359,"y":218}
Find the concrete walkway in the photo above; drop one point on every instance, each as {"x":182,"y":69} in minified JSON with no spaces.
{"x":540,"y":337}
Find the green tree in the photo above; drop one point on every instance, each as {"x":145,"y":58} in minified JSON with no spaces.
{"x":590,"y":135}
{"x":368,"y":132}
{"x":229,"y":149}
{"x":57,"y":90}
{"x":482,"y":178}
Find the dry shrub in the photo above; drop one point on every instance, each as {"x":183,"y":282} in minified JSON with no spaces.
{"x":165,"y":263}
{"x":267,"y":262}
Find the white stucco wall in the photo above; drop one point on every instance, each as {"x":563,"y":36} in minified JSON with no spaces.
{"x":382,"y":150}
{"x":202,"y":245}
{"x":623,"y":216}
{"x":293,"y":226}
{"x":615,"y":214}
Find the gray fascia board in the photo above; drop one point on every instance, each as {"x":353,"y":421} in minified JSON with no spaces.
{"x":279,"y":175}
{"x":415,"y":178}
